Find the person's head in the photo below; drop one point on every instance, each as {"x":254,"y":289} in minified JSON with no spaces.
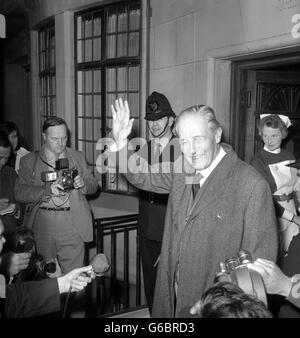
{"x":272,"y":130}
{"x":159,"y":115}
{"x":55,"y":134}
{"x":199,"y":135}
{"x":22,"y":240}
{"x":227,"y":300}
{"x":11,"y":130}
{"x":5,"y":149}
{"x":2,"y":238}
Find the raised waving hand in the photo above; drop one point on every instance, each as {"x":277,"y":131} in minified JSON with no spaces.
{"x":122,"y":124}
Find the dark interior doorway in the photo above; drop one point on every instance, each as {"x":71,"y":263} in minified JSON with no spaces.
{"x":265,"y":86}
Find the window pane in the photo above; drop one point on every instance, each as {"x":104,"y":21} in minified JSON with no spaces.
{"x":88,"y":50}
{"x":52,"y":86}
{"x":80,"y":107}
{"x":97,"y":129}
{"x":79,"y":27}
{"x":122,"y":79}
{"x":110,"y":99}
{"x":97,"y":26}
{"x":134,"y":105}
{"x":88,"y":82}
{"x":89,"y":128}
{"x":88,"y":105}
{"x":111,"y":46}
{"x":52,"y":57}
{"x":134,"y":19}
{"x":111,"y":79}
{"x":108,"y":127}
{"x":52,"y":106}
{"x":97,"y":81}
{"x":88,"y":25}
{"x":42,"y":61}
{"x":80,"y":128}
{"x":122,"y":45}
{"x":97,"y":49}
{"x":97,"y":105}
{"x":111,"y":22}
{"x":134,"y":44}
{"x":79,"y":51}
{"x":134,"y":81}
{"x":122,"y":21}
{"x":80,"y":82}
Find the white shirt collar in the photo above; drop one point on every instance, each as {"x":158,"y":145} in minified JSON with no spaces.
{"x":206,"y":172}
{"x":276,"y":151}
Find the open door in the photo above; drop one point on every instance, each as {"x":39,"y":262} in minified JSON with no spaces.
{"x":268,"y":92}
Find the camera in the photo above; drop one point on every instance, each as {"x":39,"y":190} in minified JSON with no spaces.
{"x":21,"y":241}
{"x":63,"y":174}
{"x":66,"y":174}
{"x":235,"y":270}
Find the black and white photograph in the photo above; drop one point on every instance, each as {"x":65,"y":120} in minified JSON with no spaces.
{"x":149,"y":162}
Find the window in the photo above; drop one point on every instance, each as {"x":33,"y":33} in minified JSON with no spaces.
{"x":107,"y":67}
{"x":47,"y":72}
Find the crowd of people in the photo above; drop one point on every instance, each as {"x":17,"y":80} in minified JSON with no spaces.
{"x":199,"y":205}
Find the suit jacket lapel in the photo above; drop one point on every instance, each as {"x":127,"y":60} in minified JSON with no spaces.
{"x":212,"y":187}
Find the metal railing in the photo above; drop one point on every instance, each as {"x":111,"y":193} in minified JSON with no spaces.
{"x":114,"y":288}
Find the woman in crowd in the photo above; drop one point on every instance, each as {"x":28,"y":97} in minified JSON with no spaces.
{"x":11,"y":130}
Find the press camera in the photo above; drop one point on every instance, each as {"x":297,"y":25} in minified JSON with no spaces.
{"x":235,"y":270}
{"x":63,"y":174}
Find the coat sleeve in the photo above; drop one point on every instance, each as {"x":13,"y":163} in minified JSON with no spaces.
{"x":25,"y":191}
{"x":90,"y":182}
{"x":139,"y":173}
{"x":29,"y":299}
{"x":260,"y":223}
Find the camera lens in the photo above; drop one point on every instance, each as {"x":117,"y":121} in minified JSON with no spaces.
{"x":50,"y":267}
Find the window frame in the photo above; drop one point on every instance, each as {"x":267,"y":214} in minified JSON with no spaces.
{"x":102,"y":65}
{"x":47,"y":75}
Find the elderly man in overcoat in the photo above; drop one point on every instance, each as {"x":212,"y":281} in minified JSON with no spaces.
{"x":217,"y":206}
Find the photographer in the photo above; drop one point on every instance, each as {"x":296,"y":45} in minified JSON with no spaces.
{"x":54,"y":181}
{"x":38,"y":298}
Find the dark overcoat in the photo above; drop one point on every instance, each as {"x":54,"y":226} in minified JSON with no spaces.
{"x":232,"y":211}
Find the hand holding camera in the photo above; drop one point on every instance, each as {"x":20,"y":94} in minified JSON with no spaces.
{"x":276,"y":282}
{"x":63,"y":178}
{"x":78,"y":182}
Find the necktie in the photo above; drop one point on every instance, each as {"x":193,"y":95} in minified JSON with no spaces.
{"x":196,"y":184}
